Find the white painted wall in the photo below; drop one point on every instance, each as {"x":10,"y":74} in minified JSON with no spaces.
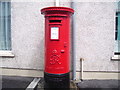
{"x":95,"y":35}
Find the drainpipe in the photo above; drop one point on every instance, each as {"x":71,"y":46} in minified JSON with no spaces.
{"x":81,"y":68}
{"x":57,"y":3}
{"x":73,"y":43}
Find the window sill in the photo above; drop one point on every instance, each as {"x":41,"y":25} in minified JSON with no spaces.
{"x":6,"y":54}
{"x":116,"y":58}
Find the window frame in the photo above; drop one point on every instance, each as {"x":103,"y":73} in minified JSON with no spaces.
{"x":7,"y":52}
{"x":117,"y":42}
{"x":5,"y":26}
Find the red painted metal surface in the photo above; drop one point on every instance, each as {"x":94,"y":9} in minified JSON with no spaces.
{"x":57,"y":39}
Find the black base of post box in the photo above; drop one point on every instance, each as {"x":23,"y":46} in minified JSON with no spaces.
{"x":56,"y":81}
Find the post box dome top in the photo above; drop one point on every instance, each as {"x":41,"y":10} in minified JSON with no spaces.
{"x":57,"y":10}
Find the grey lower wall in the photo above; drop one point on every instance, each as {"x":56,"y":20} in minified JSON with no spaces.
{"x":95,"y":24}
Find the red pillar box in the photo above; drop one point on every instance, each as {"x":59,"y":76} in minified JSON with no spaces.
{"x":57,"y":44}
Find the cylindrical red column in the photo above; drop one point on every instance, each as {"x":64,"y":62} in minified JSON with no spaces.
{"x":57,"y":44}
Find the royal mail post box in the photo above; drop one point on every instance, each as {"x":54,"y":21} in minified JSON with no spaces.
{"x":57,"y":42}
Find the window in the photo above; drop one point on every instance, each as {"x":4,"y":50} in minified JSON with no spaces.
{"x":5,"y":25}
{"x":117,"y":31}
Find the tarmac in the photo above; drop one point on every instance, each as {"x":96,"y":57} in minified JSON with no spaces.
{"x":9,"y":82}
{"x":99,"y":84}
{"x":15,"y":82}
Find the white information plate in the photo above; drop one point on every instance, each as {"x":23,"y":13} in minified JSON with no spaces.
{"x":54,"y":33}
